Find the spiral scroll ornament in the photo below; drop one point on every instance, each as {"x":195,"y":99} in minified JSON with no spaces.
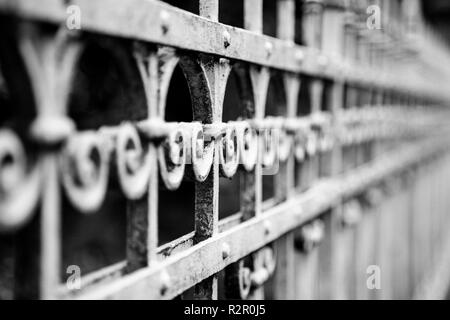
{"x":201,"y":151}
{"x":85,"y":170}
{"x":133,"y":162}
{"x":15,"y":182}
{"x":247,"y":144}
{"x":229,"y":152}
{"x":172,"y":158}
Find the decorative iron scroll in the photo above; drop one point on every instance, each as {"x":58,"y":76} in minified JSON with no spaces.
{"x":85,"y":180}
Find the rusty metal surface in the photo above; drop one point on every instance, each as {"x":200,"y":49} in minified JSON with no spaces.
{"x":183,"y":268}
{"x":359,"y":114}
{"x":144,"y":20}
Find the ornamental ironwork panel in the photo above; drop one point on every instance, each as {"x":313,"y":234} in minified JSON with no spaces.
{"x":222,"y":149}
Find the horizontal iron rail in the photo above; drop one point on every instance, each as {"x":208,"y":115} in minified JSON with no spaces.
{"x":165,"y":251}
{"x":180,"y":272}
{"x":160,"y":23}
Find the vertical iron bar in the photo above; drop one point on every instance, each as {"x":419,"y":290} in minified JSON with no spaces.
{"x":307,"y":271}
{"x":285,"y":272}
{"x":253,"y":15}
{"x":142,"y":214}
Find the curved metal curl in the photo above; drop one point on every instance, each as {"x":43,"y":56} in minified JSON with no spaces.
{"x":172,"y":158}
{"x":200,"y":152}
{"x":247,"y":144}
{"x":264,"y":266}
{"x":133,"y":162}
{"x":85,"y":170}
{"x":15,"y":183}
{"x":238,"y":280}
{"x":229,"y":151}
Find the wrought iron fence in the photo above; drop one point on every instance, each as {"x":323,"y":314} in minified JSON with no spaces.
{"x":338,"y":147}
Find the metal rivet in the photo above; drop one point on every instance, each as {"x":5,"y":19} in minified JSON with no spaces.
{"x":165,"y":282}
{"x":267,"y":227}
{"x":225,"y":250}
{"x":226,"y":39}
{"x":352,"y":214}
{"x":165,"y":16}
{"x":269,"y":48}
{"x":299,"y":56}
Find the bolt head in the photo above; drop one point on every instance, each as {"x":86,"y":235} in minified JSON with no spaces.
{"x":299,"y":56}
{"x":226,"y":250}
{"x":226,"y":39}
{"x":165,"y":282}
{"x":269,"y":48}
{"x":267,"y":227}
{"x":165,"y":17}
